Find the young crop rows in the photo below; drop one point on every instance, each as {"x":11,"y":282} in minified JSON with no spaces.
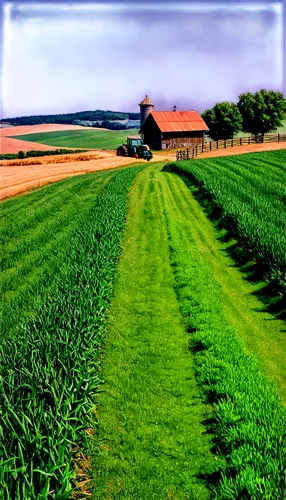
{"x":49,"y":370}
{"x":179,"y":404}
{"x":249,"y":421}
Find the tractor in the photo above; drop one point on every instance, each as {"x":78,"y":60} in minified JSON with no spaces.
{"x":135,"y":149}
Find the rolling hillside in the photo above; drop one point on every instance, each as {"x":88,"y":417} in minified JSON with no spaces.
{"x":82,"y":139}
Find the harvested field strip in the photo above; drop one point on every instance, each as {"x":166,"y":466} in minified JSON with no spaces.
{"x":248,"y":420}
{"x":49,"y":371}
{"x":35,"y":232}
{"x":18,"y":179}
{"x":152,"y":443}
{"x":33,"y":154}
{"x":252,"y":207}
{"x":48,"y":160}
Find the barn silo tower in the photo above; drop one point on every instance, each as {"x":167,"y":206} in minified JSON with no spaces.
{"x":146,"y":107}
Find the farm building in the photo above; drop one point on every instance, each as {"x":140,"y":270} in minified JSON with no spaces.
{"x":170,"y":129}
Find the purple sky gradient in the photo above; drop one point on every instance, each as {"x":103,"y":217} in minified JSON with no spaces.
{"x":74,"y":56}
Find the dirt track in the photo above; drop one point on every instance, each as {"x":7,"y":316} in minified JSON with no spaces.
{"x":251,"y":148}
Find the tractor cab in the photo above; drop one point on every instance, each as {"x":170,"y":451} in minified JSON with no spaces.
{"x":134,"y":141}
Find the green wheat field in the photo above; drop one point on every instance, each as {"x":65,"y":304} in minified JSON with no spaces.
{"x":143,"y":351}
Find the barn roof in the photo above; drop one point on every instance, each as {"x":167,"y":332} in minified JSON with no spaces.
{"x":147,"y":101}
{"x":178,"y":121}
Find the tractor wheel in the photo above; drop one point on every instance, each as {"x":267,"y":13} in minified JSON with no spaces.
{"x":122,"y":150}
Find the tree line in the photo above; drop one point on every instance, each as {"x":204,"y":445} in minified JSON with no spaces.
{"x":71,"y":118}
{"x":256,"y":114}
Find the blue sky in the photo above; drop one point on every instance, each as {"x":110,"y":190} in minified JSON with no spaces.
{"x":73,"y":56}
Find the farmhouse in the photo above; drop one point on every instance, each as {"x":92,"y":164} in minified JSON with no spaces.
{"x":170,"y":129}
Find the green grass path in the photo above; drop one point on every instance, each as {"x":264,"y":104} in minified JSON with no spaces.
{"x":153,"y":443}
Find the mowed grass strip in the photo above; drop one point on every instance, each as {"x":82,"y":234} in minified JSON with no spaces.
{"x":150,"y":442}
{"x":86,"y":138}
{"x":35,"y":230}
{"x":247,"y":193}
{"x":248,"y":421}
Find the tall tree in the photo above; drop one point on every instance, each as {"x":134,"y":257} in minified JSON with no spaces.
{"x":261,"y":112}
{"x":224,"y":120}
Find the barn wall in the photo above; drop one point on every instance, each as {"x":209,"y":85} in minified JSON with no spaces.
{"x":182,"y":139}
{"x":157,"y":140}
{"x":151,"y":134}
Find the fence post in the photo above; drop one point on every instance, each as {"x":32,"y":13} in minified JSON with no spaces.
{"x":217,"y":144}
{"x":240,"y":141}
{"x":278,"y":137}
{"x":188,"y":154}
{"x":232,"y":142}
{"x":249,"y":139}
{"x":210,"y":145}
{"x":224,"y":143}
{"x":196,"y":150}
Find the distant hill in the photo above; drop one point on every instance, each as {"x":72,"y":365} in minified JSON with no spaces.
{"x":114,"y":120}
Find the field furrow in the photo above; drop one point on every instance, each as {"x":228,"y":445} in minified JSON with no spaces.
{"x":152,"y":443}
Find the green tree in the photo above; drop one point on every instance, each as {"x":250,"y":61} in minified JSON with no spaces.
{"x":224,"y":120}
{"x":261,"y":112}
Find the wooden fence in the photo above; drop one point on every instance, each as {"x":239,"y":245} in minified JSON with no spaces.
{"x":186,"y":154}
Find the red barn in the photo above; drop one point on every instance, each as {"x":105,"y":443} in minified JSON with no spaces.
{"x":173,"y":129}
